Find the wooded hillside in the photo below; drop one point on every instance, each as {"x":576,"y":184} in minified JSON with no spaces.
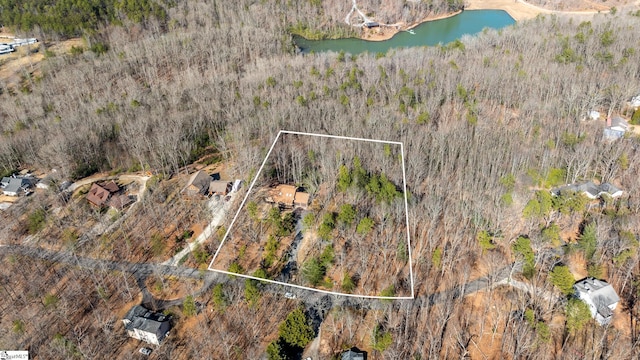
{"x":484,"y":124}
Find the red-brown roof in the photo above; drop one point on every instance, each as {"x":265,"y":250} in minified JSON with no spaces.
{"x":118,"y":202}
{"x":219,"y":187}
{"x":98,"y":195}
{"x":111,"y":186}
{"x":301,"y":198}
{"x":284,"y":194}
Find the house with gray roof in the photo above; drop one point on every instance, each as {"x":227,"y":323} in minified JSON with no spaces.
{"x":353,"y":354}
{"x":600,"y":296}
{"x":14,"y":186}
{"x":589,"y":189}
{"x":616,"y":128}
{"x":145,"y":325}
{"x":198,"y":184}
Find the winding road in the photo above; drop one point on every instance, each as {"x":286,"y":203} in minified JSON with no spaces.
{"x":141,"y":271}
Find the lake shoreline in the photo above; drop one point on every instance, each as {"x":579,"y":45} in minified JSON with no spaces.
{"x":389,"y":32}
{"x":519,"y":10}
{"x":431,"y":33}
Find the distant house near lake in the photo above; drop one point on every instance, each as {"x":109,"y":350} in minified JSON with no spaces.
{"x":589,"y":189}
{"x":600,"y":296}
{"x":145,"y":325}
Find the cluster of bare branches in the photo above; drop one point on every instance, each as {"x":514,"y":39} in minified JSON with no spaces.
{"x":508,"y":103}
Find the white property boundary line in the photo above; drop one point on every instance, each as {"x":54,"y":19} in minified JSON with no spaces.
{"x":255,"y":179}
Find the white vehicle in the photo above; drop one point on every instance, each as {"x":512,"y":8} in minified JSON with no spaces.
{"x":289,"y":295}
{"x":21,"y":42}
{"x":145,"y":351}
{"x":5,"y":49}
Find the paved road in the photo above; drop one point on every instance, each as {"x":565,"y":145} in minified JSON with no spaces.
{"x":321,"y":302}
{"x":141,"y":271}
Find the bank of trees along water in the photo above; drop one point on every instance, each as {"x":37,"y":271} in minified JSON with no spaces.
{"x":508,"y":103}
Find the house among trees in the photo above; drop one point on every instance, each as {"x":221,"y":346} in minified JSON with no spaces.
{"x":220,"y":187}
{"x":145,"y":325}
{"x":198,"y":184}
{"x":288,"y":196}
{"x":16,"y":185}
{"x":600,"y":296}
{"x":111,"y":186}
{"x":589,"y":189}
{"x":616,"y":128}
{"x":99,"y":195}
{"x":202,"y":184}
{"x":354,"y":354}
{"x":120,"y":201}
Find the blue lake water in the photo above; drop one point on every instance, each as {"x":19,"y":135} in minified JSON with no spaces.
{"x":430,"y":33}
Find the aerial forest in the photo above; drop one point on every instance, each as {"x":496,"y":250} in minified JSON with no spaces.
{"x":489,"y":125}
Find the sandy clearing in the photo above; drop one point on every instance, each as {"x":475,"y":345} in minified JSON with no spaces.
{"x":518,"y":10}
{"x":9,"y":199}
